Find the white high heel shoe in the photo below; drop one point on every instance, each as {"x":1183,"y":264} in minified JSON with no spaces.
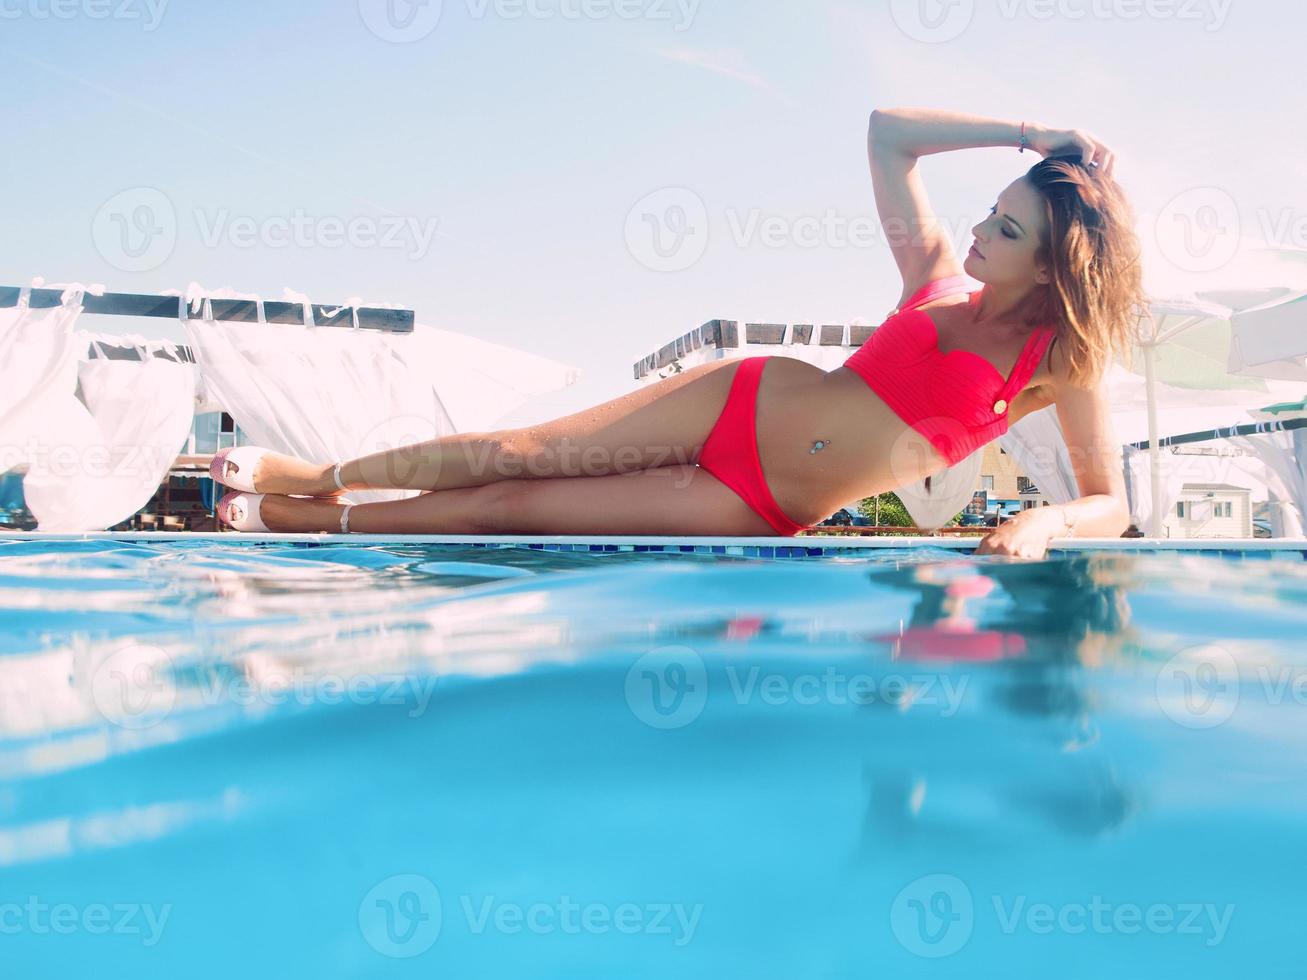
{"x":242,"y":511}
{"x":246,"y":458}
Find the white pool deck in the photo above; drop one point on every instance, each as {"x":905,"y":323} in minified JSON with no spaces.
{"x":802,"y":546}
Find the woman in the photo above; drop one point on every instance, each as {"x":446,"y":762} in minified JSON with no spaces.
{"x":768,"y":445}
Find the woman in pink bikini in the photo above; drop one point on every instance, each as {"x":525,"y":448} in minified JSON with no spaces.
{"x":771,"y":444}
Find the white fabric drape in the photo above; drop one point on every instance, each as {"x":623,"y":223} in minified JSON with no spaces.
{"x":335,"y":393}
{"x":323,"y":394}
{"x":1037,"y":444}
{"x":124,"y":434}
{"x":1285,"y":456}
{"x":38,"y":371}
{"x":950,"y":491}
{"x":1176,"y":469}
{"x":91,"y":462}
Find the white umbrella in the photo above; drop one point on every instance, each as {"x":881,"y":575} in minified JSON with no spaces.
{"x":1270,"y":340}
{"x":1192,"y":343}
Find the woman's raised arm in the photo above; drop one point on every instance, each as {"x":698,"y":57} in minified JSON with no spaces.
{"x":922,"y":248}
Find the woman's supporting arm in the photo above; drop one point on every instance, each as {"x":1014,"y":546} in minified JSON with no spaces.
{"x":1086,"y":418}
{"x":1098,"y":515}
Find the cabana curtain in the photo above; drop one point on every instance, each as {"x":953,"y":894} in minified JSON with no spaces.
{"x":96,"y":437}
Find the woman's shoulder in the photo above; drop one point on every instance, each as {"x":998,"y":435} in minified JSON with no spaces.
{"x":931,"y":288}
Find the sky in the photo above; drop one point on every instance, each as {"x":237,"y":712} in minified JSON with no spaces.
{"x":588,"y":179}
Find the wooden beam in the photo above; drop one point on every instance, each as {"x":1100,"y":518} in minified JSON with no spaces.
{"x":228,"y":310}
{"x":725,"y":334}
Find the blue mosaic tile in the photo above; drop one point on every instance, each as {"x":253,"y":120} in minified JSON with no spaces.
{"x":719,"y":549}
{"x":766,"y":551}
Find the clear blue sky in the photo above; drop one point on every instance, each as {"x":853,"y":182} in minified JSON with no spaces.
{"x":526,"y":132}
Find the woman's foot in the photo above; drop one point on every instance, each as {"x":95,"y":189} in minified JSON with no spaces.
{"x":280,"y":474}
{"x":282,"y":513}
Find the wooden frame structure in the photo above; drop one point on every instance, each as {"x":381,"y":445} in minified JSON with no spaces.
{"x":725,"y":334}
{"x":232,"y":310}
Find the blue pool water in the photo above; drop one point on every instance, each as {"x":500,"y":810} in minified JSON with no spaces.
{"x":361,"y":760}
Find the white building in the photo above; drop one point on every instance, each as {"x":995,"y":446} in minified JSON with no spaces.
{"x":1211,"y":510}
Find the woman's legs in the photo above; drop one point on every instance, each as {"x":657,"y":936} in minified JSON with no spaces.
{"x":684,"y":500}
{"x":662,"y":425}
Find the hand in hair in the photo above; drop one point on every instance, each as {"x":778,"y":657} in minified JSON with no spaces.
{"x":1048,"y":142}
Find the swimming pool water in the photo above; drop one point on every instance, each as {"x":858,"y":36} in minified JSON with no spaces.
{"x":359,"y":760}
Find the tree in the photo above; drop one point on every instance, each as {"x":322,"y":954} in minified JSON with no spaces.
{"x":886,"y":509}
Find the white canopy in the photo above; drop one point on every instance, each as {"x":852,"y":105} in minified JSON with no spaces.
{"x":96,"y":437}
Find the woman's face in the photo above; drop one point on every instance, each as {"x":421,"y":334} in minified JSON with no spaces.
{"x":1007,"y":240}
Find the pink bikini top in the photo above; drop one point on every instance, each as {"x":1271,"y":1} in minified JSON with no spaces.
{"x":957,"y":399}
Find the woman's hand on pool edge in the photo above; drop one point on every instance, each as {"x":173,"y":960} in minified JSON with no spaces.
{"x":1025,"y":535}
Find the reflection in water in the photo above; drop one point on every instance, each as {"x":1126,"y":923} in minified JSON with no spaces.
{"x":995,"y":720}
{"x":1023,"y":637}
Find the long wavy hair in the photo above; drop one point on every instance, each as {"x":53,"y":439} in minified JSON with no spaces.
{"x":1096,"y":299}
